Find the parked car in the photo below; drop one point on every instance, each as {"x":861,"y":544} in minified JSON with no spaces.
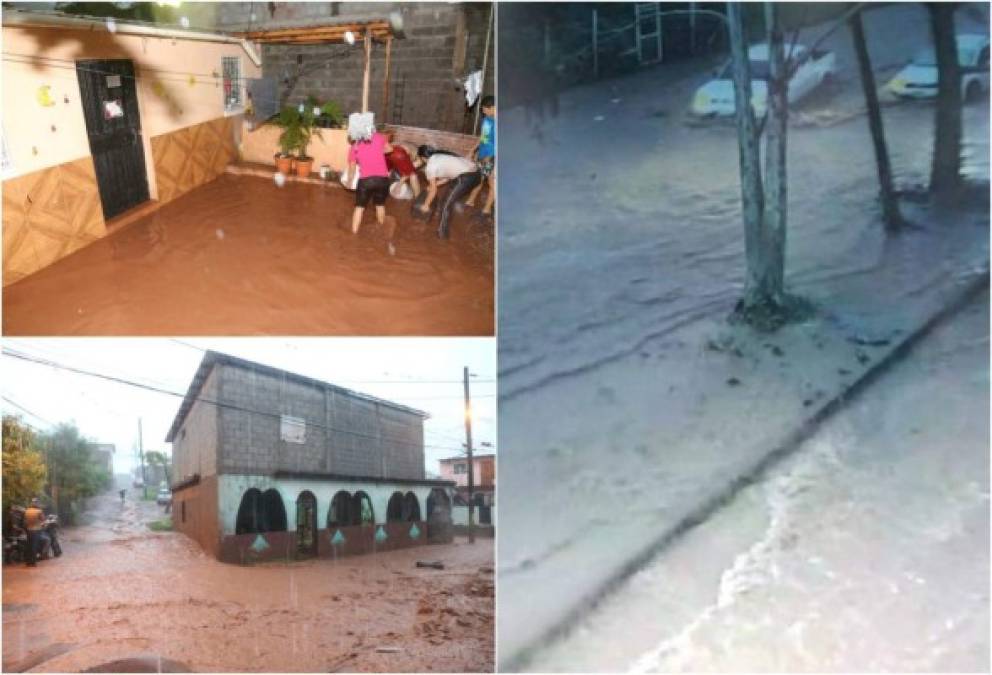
{"x":164,"y":496}
{"x":716,"y":97}
{"x":918,"y":79}
{"x":138,"y":483}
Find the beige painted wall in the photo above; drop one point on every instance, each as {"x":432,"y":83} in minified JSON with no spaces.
{"x":262,"y":144}
{"x":167,"y":100}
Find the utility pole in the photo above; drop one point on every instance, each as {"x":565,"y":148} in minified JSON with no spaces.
{"x":471,"y":469}
{"x":141,"y":455}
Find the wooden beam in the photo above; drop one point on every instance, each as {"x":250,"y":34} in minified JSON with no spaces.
{"x":378,"y":29}
{"x":365,"y":79}
{"x":385,"y":82}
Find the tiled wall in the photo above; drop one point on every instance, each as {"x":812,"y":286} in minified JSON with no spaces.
{"x":47,"y":215}
{"x":189,"y":157}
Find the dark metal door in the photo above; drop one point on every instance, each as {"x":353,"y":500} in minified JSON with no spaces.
{"x":306,"y":525}
{"x":110,"y":105}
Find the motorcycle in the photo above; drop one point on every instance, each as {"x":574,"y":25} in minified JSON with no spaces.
{"x":15,"y":543}
{"x":48,"y":539}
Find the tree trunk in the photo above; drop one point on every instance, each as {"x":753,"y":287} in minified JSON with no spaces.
{"x":776,"y":197}
{"x":752,"y":195}
{"x":945,"y":172}
{"x":890,"y":205}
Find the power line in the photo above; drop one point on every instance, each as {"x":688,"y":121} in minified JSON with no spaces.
{"x":20,"y":407}
{"x":219,"y":404}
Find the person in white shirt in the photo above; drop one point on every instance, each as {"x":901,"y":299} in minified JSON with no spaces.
{"x":442,"y":167}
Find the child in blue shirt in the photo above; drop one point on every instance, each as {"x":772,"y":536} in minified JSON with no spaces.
{"x":485,"y":155}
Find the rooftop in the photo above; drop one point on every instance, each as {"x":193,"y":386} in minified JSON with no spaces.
{"x":212,"y":358}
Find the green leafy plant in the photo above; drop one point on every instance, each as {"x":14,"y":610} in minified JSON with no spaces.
{"x":291,"y":123}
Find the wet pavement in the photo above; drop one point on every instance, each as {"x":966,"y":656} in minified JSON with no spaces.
{"x":867,"y":550}
{"x":124,"y":597}
{"x":241,"y":256}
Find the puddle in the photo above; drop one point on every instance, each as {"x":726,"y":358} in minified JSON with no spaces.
{"x":140,"y":664}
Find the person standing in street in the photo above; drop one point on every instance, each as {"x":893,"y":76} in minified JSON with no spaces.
{"x":34,"y":521}
{"x":122,"y":496}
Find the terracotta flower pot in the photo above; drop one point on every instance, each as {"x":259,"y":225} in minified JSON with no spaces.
{"x":304,"y":165}
{"x":284,"y":164}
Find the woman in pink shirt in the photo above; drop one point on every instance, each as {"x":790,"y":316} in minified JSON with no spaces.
{"x":373,"y":183}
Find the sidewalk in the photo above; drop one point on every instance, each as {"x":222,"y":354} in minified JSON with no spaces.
{"x":651,"y":444}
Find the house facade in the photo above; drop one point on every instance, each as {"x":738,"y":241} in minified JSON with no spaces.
{"x":455,"y":469}
{"x":101,"y":117}
{"x":269,"y":464}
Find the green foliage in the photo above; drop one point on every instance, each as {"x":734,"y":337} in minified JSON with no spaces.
{"x":23,"y":464}
{"x":156,"y":458}
{"x":164,"y":525}
{"x":72,"y":471}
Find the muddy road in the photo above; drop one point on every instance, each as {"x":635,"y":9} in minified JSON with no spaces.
{"x":241,"y":256}
{"x":123,"y":593}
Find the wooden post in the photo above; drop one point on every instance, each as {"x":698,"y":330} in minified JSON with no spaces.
{"x":775,"y":184}
{"x":595,"y":42}
{"x":368,"y":65}
{"x":385,"y":81}
{"x":485,"y":66}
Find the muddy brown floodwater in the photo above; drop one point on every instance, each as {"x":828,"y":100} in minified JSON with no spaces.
{"x":242,"y":256}
{"x":125,"y":599}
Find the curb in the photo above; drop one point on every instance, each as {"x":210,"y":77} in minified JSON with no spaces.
{"x":789,"y":443}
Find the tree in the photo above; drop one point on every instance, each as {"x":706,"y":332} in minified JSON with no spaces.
{"x":73,"y":475}
{"x":890,"y":205}
{"x":945,"y":172}
{"x":24,"y":470}
{"x":156,"y":458}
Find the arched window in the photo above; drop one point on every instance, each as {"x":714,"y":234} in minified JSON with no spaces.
{"x":339,"y":515}
{"x":394,"y":510}
{"x":306,"y":523}
{"x":260,"y":512}
{"x":248,"y":512}
{"x":438,"y":503}
{"x":361,"y":509}
{"x":411,"y":507}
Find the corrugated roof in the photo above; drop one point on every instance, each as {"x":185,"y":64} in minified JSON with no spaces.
{"x":212,"y":358}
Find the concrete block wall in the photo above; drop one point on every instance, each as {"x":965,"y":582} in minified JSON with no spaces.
{"x":442,"y":43}
{"x":194,"y":449}
{"x":344,"y":434}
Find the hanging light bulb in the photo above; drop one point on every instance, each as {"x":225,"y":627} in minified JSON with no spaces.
{"x":349,"y":37}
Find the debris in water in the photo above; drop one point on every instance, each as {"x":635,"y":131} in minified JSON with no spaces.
{"x":433,"y":564}
{"x":388,"y":650}
{"x":599,"y":118}
{"x":220,"y":233}
{"x":733,"y":382}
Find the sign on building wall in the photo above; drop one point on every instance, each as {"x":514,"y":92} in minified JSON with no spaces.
{"x":293,"y":429}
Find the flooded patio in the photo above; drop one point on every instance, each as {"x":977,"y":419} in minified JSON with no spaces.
{"x":240,"y":255}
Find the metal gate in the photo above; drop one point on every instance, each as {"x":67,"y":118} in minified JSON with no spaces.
{"x":110,"y":106}
{"x":647,"y":28}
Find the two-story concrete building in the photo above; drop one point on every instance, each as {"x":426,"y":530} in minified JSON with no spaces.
{"x":270,"y":464}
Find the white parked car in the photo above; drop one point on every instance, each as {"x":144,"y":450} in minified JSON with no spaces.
{"x":919,"y":78}
{"x":716,"y":97}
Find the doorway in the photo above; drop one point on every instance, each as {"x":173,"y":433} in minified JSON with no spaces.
{"x":306,"y":525}
{"x":110,"y":105}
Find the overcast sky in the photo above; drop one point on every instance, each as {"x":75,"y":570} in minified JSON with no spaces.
{"x":423,"y":373}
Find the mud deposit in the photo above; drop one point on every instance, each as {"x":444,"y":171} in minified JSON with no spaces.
{"x":242,"y":256}
{"x":125,"y":597}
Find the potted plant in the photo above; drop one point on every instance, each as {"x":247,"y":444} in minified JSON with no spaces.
{"x":307,"y":115}
{"x":328,"y":114}
{"x":290,"y":122}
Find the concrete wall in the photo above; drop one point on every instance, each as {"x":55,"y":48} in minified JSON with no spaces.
{"x":483,"y":468}
{"x":344,"y":434}
{"x":444,"y":41}
{"x":194,"y":449}
{"x":40,"y":136}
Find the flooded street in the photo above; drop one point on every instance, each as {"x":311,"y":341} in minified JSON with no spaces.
{"x":242,"y":256}
{"x":867,"y":550}
{"x":636,"y":229}
{"x":123,"y":592}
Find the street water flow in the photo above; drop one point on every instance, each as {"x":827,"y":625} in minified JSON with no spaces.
{"x":867,"y":550}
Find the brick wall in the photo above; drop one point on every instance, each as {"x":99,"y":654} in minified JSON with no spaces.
{"x":344,"y":434}
{"x":442,"y":43}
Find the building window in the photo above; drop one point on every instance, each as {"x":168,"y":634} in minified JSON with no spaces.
{"x":461,"y":468}
{"x":231,"y":67}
